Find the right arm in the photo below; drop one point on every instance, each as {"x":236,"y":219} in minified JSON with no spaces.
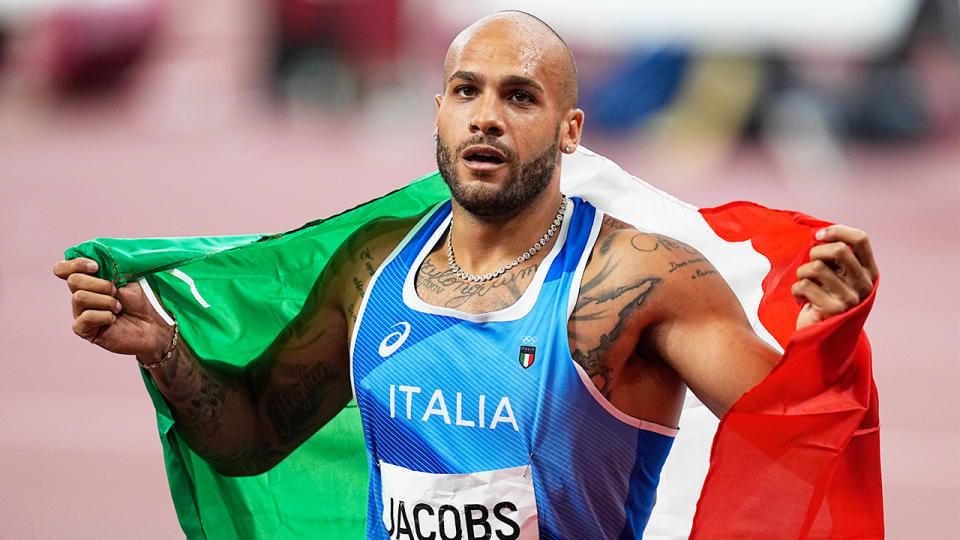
{"x":243,"y":420}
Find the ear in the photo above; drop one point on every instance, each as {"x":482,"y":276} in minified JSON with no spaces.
{"x":570,"y":128}
{"x":436,"y":122}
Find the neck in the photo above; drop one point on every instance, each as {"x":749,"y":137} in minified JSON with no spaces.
{"x":482,"y":244}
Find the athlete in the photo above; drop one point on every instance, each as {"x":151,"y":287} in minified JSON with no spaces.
{"x":424,"y":320}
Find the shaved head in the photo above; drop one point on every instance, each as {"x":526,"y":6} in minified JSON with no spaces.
{"x":541,"y":42}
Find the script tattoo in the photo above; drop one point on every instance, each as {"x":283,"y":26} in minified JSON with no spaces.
{"x":704,"y":273}
{"x":292,"y":407}
{"x":652,"y":242}
{"x":698,"y":264}
{"x":456,"y":292}
{"x":367,"y":259}
{"x":674,"y":265}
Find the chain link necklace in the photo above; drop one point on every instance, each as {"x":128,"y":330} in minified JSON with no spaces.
{"x":526,"y":254}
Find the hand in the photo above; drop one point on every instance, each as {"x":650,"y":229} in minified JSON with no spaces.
{"x":840,"y":274}
{"x":119,"y":320}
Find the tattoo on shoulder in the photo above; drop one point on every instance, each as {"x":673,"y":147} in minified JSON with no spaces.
{"x":614,"y":223}
{"x":367,"y":259}
{"x":677,"y":265}
{"x":700,"y":273}
{"x":592,"y":353}
{"x":652,"y":242}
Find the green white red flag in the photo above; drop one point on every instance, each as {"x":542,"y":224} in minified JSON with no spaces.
{"x":796,"y":457}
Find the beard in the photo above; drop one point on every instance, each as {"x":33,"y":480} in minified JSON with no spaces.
{"x":523,"y":184}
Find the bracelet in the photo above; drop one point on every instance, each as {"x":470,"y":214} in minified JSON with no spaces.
{"x":169,"y":354}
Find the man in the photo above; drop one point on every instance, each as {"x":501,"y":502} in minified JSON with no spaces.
{"x":423,"y":321}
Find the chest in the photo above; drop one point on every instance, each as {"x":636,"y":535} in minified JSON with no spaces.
{"x":438,"y":285}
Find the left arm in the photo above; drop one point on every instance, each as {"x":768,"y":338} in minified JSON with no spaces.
{"x":703,"y":334}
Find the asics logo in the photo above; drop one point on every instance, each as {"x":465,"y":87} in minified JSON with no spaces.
{"x":388,"y":347}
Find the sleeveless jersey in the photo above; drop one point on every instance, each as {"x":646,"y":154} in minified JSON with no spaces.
{"x":482,"y":425}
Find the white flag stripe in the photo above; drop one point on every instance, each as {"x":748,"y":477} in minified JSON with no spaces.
{"x":618,"y":193}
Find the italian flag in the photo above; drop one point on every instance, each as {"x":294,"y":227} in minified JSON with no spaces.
{"x":796,"y":457}
{"x":526,"y":356}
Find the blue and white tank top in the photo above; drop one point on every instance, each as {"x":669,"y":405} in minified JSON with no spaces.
{"x":482,"y":425}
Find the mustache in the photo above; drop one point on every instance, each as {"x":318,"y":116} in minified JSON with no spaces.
{"x":488,"y":140}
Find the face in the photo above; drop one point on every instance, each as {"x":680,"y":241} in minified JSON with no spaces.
{"x":499,"y":122}
{"x":524,"y":180}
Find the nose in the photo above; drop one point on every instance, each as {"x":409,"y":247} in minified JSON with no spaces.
{"x":487,"y":116}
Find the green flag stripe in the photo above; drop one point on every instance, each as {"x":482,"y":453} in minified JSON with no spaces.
{"x":254,"y":286}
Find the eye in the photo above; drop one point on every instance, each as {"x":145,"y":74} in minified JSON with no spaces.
{"x":521,"y":96}
{"x":465,"y":91}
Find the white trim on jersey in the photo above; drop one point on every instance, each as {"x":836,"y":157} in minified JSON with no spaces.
{"x":645,"y":425}
{"x":514,"y":311}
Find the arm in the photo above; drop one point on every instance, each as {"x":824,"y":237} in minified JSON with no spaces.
{"x":696,"y":326}
{"x":245,"y":420}
{"x":242,"y":420}
{"x":652,"y":316}
{"x":706,"y":338}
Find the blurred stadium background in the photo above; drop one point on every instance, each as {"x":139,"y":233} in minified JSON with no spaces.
{"x":167,"y":117}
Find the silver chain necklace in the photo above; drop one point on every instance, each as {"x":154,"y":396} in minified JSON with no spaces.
{"x":526,"y":254}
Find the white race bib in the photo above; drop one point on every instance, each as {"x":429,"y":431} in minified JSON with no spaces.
{"x":495,"y":505}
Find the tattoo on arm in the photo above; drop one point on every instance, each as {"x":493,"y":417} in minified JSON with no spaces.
{"x":196,"y":397}
{"x":593,"y":356}
{"x":687,"y":255}
{"x":704,"y":273}
{"x":293,"y":407}
{"x":652,"y":242}
{"x":675,"y":265}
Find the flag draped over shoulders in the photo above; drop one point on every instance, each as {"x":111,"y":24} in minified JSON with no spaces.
{"x":796,"y":457}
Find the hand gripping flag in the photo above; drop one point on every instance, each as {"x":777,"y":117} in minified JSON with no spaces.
{"x":796,"y":457}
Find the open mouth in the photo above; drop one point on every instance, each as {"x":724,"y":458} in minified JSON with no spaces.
{"x":483,"y":156}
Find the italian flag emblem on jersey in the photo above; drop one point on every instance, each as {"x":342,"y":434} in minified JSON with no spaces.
{"x":527,"y":354}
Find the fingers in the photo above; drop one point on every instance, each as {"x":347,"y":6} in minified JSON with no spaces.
{"x":858,"y":242}
{"x":837,"y":260}
{"x":84,"y":282}
{"x":80,"y":265}
{"x":822,"y":286}
{"x":84,"y":300}
{"x":89,"y":323}
{"x":93,"y":300}
{"x":840,"y":274}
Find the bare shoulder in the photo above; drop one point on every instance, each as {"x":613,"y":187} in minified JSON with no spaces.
{"x":358,"y":259}
{"x":653,"y":314}
{"x":671,"y":273}
{"x":634,"y":282}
